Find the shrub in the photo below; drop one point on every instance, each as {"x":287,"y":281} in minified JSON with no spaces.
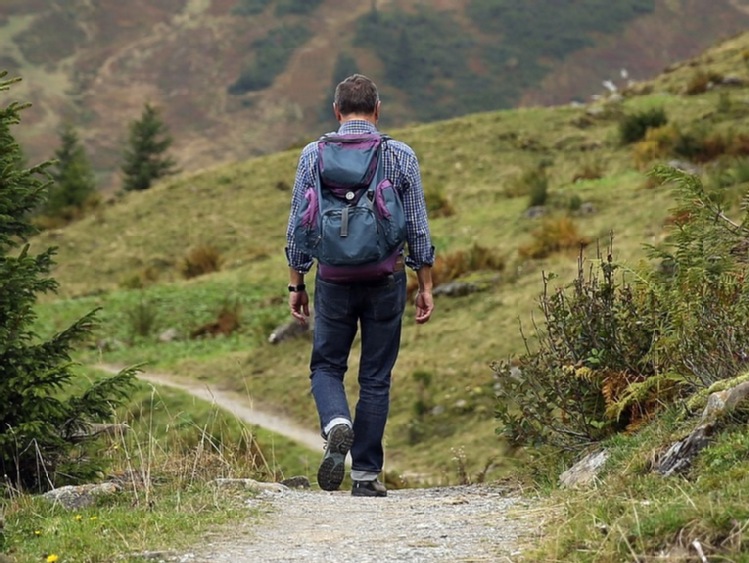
{"x":533,"y":183}
{"x":658,"y":143}
{"x":589,"y":170}
{"x":554,"y":235}
{"x":594,"y":344}
{"x":438,"y":204}
{"x":449,"y":267}
{"x":633,"y":127}
{"x":612,"y":354}
{"x":284,"y":7}
{"x":702,"y":144}
{"x":250,"y":7}
{"x":271,"y":56}
{"x":142,"y":319}
{"x":701,"y":81}
{"x":200,"y":260}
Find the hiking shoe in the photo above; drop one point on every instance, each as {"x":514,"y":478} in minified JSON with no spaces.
{"x":332,"y":468}
{"x":368,"y":489}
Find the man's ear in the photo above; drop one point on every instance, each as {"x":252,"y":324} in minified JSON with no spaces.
{"x":377,"y":111}
{"x":337,"y":113}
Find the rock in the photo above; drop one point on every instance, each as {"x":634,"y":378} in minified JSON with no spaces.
{"x":535,"y":212}
{"x":297,"y":482}
{"x":725,"y":401}
{"x":732,"y":80}
{"x":80,"y":496}
{"x":169,"y":335}
{"x":290,"y":330}
{"x":680,"y":455}
{"x":584,"y":471}
{"x":250,"y":484}
{"x":455,"y":289}
{"x":737,"y":395}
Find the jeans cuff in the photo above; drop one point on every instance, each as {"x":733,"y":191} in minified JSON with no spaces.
{"x":357,"y":475}
{"x":335,"y":422}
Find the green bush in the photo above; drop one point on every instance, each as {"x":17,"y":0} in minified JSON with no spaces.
{"x":271,"y":56}
{"x":302,"y":7}
{"x":250,"y":7}
{"x":609,"y":354}
{"x":633,"y":127}
{"x":594,"y":343}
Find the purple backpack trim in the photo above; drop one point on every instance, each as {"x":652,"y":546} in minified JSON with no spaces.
{"x":309,"y":218}
{"x":353,"y":274}
{"x":380,"y":198}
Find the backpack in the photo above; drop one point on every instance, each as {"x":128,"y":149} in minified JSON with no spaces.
{"x":352,"y":221}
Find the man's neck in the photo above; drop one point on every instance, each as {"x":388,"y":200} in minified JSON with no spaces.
{"x":358,"y":117}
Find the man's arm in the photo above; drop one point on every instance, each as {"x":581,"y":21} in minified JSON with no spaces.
{"x":299,"y":263}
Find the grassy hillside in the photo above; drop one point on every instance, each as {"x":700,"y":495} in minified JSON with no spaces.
{"x":126,"y":258}
{"x":239,"y":78}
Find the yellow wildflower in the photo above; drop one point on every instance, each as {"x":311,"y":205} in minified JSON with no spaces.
{"x":52,"y":558}
{"x":37,"y":532}
{"x":78,"y":517}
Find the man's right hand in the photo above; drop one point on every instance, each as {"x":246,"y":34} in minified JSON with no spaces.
{"x":299,"y":305}
{"x":424,"y":306}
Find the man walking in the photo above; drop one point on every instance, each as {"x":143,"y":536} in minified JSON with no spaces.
{"x":376,"y":305}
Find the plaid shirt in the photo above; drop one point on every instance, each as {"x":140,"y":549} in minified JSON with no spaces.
{"x":401,"y":167}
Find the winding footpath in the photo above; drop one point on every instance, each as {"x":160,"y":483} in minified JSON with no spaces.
{"x":472,"y":523}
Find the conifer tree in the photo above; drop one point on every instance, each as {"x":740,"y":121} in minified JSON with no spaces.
{"x":145,"y":158}
{"x":40,"y":415}
{"x":73,"y":177}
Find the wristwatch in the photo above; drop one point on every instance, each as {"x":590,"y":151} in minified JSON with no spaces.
{"x":296,"y":288}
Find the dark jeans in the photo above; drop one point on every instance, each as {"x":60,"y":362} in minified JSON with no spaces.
{"x":339,"y":310}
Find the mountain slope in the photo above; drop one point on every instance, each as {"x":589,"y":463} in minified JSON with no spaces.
{"x":127,"y":257}
{"x":96,"y":64}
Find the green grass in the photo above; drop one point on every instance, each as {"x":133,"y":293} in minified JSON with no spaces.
{"x":175,"y":446}
{"x":634,"y":514}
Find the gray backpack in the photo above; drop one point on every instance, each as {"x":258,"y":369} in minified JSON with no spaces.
{"x":352,"y":221}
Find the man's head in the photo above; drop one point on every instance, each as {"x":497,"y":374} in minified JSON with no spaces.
{"x":356,"y":97}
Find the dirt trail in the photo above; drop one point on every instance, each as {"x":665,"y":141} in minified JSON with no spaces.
{"x":235,"y":404}
{"x":464,"y":523}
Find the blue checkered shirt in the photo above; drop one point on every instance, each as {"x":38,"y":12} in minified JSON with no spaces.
{"x":401,"y":167}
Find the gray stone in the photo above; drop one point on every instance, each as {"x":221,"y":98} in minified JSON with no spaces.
{"x":296,"y":482}
{"x":169,"y":335}
{"x":250,"y":484}
{"x":74,"y":497}
{"x":679,"y":456}
{"x":585,"y":471}
{"x":455,"y":289}
{"x":291,"y":330}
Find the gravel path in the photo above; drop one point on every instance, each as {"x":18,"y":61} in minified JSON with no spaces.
{"x":477,"y":523}
{"x":468,"y":524}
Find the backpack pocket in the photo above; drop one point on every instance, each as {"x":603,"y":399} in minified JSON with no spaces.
{"x":306,"y":225}
{"x":391,"y":213}
{"x":349,"y":236}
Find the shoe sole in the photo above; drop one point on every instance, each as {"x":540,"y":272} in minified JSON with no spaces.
{"x":332,"y":469}
{"x":367,"y":493}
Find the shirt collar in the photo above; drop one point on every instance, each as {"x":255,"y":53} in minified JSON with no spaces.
{"x":357,"y":126}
